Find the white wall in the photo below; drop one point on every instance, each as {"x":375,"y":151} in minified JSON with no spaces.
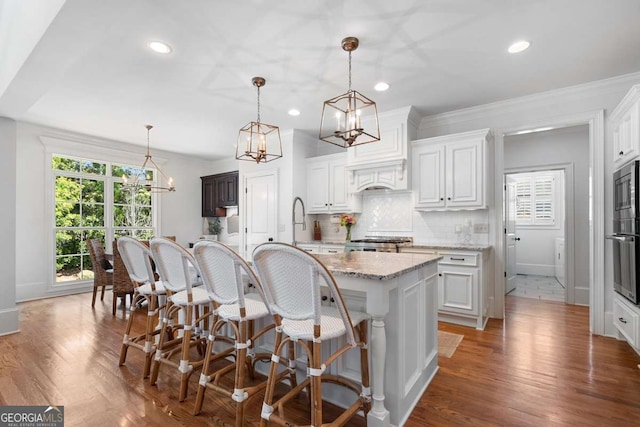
{"x":538,"y":110}
{"x":8,"y":213}
{"x":34,"y":250}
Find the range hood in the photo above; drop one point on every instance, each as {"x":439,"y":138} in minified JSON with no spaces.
{"x":390,"y":174}
{"x":385,"y":163}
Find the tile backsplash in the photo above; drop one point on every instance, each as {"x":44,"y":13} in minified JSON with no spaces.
{"x":391,"y":213}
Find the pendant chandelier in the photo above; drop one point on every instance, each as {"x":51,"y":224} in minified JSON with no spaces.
{"x":345,"y":116}
{"x":259,"y":142}
{"x":143,"y":178}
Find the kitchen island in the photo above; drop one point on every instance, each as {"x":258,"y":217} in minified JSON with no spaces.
{"x":399,"y":291}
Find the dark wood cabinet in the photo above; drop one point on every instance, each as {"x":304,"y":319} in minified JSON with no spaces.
{"x":218,"y":192}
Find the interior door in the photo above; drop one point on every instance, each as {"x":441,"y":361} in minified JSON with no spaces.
{"x":510,"y":233}
{"x":260,"y":210}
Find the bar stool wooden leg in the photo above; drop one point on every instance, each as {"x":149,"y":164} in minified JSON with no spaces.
{"x":152,"y":311}
{"x":184,"y":367}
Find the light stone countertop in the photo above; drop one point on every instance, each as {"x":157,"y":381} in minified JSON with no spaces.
{"x":374,"y":265}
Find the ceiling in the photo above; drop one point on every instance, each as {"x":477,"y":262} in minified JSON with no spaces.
{"x":84,"y":65}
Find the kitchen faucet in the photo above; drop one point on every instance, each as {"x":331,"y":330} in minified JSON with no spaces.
{"x":293,"y":218}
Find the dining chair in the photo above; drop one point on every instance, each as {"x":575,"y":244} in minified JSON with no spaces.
{"x":222,"y":272}
{"x":292,"y":279}
{"x":183,"y":302}
{"x":122,"y":285}
{"x":102,"y":269}
{"x":136,"y":257}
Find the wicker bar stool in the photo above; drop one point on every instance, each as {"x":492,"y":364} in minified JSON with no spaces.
{"x":291,"y":279}
{"x":221,"y":269}
{"x":173,"y":263}
{"x":136,"y":257}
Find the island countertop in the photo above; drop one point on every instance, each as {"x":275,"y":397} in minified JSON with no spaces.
{"x":374,"y":265}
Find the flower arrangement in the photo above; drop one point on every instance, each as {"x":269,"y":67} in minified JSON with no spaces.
{"x":347,"y":221}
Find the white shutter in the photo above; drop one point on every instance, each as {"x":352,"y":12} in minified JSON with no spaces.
{"x":523,"y":201}
{"x":543,"y":198}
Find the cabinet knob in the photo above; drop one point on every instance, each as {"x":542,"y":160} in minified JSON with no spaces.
{"x":622,"y":320}
{"x":448,"y":198}
{"x":251,"y":285}
{"x":441,"y":198}
{"x":517,"y":238}
{"x":440,"y":274}
{"x":621,"y":153}
{"x":326,"y":204}
{"x":332,"y":300}
{"x":324,"y":298}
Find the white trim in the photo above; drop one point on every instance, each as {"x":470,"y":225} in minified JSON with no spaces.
{"x":538,"y":100}
{"x":595,"y":120}
{"x":9,"y":323}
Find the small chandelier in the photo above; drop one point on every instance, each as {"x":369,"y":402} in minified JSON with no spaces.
{"x":142,"y":181}
{"x":259,"y":142}
{"x":343,"y":116}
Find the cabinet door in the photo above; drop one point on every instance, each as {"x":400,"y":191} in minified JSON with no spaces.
{"x":318,"y":187}
{"x":232,"y":189}
{"x":338,"y":195}
{"x":626,"y":136}
{"x":458,"y":289}
{"x":464,"y":174}
{"x":428,"y":176}
{"x":208,"y":196}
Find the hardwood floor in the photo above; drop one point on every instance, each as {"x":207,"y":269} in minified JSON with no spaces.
{"x":539,"y":367}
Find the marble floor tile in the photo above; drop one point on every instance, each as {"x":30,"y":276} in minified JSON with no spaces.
{"x":538,"y":287}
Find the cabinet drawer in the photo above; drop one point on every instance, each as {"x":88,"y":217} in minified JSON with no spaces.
{"x":331,"y":249}
{"x":310,"y":248}
{"x":626,"y":320}
{"x":459,"y":258}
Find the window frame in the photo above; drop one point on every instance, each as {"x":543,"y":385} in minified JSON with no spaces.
{"x":87,"y":150}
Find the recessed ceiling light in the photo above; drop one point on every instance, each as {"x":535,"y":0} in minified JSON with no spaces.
{"x":518,"y":46}
{"x":381,"y":86}
{"x":294,"y":112}
{"x":160,"y":47}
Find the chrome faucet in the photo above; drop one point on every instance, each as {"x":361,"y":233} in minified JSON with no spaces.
{"x":293,"y":218}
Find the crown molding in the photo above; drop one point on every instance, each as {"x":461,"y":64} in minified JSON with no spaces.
{"x":584,"y":90}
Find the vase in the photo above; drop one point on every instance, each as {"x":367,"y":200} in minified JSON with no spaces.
{"x":348,"y":232}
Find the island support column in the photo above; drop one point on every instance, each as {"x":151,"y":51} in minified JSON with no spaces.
{"x":378,"y":415}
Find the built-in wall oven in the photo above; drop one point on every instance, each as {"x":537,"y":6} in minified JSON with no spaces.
{"x":626,"y":231}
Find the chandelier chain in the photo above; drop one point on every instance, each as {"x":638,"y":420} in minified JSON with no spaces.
{"x":258,"y":104}
{"x":349,"y":71}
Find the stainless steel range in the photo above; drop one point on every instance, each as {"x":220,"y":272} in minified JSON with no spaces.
{"x":378,"y":244}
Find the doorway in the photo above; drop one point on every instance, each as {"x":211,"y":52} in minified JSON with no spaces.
{"x":563,"y":155}
{"x":535,"y":234}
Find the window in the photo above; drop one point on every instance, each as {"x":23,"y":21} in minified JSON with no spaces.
{"x":535,"y":200}
{"x":90,"y":202}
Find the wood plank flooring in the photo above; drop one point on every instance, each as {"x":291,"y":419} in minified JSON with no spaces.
{"x":539,"y":367}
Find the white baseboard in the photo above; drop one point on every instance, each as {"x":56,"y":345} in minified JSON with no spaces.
{"x":40,"y":290}
{"x":581,"y":296}
{"x":9,"y":323}
{"x":536,"y":269}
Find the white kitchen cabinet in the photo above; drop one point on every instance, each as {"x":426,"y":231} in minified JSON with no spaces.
{"x":450,"y":172}
{"x":327,"y":186}
{"x":309,"y":247}
{"x":331,"y":249}
{"x":462,"y":274}
{"x":625,"y":123}
{"x":626,"y":318}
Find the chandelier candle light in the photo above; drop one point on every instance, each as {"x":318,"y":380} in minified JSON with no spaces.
{"x":347,"y":221}
{"x":259,"y":142}
{"x":142,"y":181}
{"x":342,"y":116}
